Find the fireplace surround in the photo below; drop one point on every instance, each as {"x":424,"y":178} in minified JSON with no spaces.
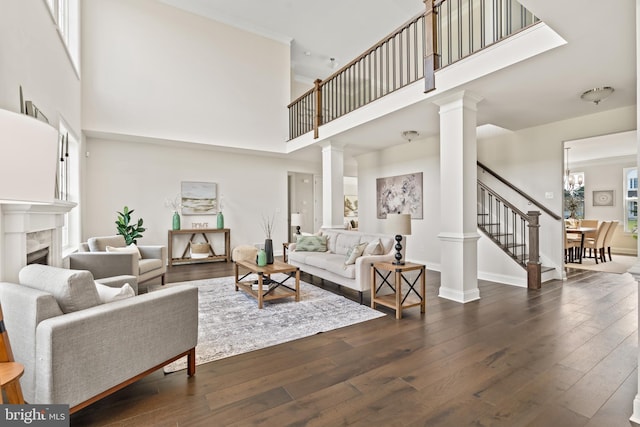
{"x":27,"y":228}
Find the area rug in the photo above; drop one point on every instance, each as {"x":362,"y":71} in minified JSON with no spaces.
{"x":620,"y":264}
{"x":230,"y":322}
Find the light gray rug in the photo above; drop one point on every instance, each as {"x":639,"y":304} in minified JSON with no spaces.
{"x":230,"y":322}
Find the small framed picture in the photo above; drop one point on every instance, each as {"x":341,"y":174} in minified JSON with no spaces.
{"x":603,"y":198}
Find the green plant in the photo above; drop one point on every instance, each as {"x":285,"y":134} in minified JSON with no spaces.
{"x":131,"y":232}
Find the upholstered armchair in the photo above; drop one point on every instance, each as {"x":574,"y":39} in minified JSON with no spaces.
{"x":109,"y":256}
{"x":77,"y":348}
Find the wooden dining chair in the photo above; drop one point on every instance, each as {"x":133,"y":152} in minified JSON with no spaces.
{"x":10,"y":371}
{"x":597,"y":243}
{"x":609,"y":237}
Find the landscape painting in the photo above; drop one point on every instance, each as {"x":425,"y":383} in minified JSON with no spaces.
{"x":399,"y":194}
{"x":199,"y":198}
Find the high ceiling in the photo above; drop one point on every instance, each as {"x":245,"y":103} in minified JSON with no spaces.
{"x":600,"y":51}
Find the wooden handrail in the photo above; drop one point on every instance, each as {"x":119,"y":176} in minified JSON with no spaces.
{"x":522,"y":193}
{"x":414,"y":51}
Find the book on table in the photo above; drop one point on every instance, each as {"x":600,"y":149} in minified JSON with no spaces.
{"x":256,"y":287}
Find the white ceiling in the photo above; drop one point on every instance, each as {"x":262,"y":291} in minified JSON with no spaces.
{"x":600,"y":51}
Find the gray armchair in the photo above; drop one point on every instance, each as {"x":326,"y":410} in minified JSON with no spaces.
{"x":93,"y":256}
{"x":76,"y":350}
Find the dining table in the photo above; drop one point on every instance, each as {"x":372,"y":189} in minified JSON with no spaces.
{"x":582,"y":231}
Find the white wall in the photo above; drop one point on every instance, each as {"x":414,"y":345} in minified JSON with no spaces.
{"x":157,"y":71}
{"x":32,"y":55}
{"x":143,"y":175}
{"x":532,"y":159}
{"x":423,"y":156}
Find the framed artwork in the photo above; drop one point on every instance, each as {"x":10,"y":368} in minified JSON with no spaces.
{"x":350,"y":206}
{"x":603,"y":198}
{"x":399,"y":194}
{"x":199,"y":198}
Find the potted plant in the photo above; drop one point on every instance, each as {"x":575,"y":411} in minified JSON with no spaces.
{"x":131,"y":232}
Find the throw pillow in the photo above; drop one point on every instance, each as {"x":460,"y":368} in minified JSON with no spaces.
{"x":109,"y":294}
{"x":131,"y":249}
{"x":311,"y":244}
{"x":354,"y":252}
{"x":73,"y":289}
{"x":374,"y":248}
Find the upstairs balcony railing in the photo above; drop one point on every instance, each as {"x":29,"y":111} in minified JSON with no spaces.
{"x":448,"y":31}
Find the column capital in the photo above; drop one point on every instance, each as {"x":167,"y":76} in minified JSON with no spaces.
{"x":461,"y":99}
{"x":332,"y":145}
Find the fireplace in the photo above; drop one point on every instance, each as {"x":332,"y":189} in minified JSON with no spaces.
{"x":30,"y":233}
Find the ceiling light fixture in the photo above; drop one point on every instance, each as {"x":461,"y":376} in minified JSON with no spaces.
{"x":333,"y":63}
{"x":597,"y":94}
{"x":572,"y":182}
{"x":410,"y":135}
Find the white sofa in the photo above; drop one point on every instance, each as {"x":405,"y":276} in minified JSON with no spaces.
{"x":330,"y":265}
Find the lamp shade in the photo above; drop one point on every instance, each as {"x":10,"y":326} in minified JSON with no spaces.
{"x":398,"y":224}
{"x":296,"y":220}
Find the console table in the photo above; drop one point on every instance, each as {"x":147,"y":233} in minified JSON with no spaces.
{"x":186,"y":254}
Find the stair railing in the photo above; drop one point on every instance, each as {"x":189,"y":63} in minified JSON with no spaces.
{"x":447,"y":31}
{"x":505,"y":224}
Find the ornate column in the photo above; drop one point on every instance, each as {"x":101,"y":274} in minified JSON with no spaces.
{"x":458,"y":200}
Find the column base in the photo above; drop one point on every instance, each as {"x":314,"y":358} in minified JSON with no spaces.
{"x":458,"y":296}
{"x":635,"y":417}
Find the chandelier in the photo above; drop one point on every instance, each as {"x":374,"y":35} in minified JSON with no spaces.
{"x":572,"y":182}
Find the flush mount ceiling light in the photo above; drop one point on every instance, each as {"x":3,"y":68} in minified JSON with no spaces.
{"x":597,"y":94}
{"x":410,"y":134}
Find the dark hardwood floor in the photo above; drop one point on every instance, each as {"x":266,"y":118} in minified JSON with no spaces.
{"x":565,"y":356}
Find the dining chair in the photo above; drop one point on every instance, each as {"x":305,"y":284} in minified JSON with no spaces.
{"x":609,"y":237}
{"x":571,"y":248}
{"x":589,"y":223}
{"x":597,"y":243}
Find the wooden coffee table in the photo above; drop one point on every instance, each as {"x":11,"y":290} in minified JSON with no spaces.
{"x":268,"y":288}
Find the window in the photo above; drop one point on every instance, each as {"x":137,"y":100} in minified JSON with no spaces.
{"x":630,"y":193}
{"x":66,"y":15}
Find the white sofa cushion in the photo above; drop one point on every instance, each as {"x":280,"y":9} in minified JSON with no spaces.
{"x":99,"y":244}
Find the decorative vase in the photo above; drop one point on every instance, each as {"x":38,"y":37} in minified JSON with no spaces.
{"x":261,"y":258}
{"x":176,"y":220}
{"x":220,"y":220}
{"x":268,"y":248}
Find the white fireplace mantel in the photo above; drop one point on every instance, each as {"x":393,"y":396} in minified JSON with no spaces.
{"x":19,"y":219}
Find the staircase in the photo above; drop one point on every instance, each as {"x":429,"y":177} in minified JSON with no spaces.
{"x":512,"y":230}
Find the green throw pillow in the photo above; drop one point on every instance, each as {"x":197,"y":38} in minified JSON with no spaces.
{"x":311,"y":244}
{"x":354,"y":252}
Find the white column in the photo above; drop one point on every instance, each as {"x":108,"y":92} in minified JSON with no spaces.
{"x":458,"y":202}
{"x":332,"y":185}
{"x":635,"y":270}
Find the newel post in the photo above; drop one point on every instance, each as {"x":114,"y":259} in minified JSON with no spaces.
{"x":534,"y":275}
{"x":317,"y":120}
{"x":430,"y":37}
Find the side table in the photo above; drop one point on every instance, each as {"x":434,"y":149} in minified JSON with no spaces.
{"x":396,"y":300}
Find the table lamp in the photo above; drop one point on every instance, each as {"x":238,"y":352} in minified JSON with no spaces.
{"x":296,"y":221}
{"x":399,"y":224}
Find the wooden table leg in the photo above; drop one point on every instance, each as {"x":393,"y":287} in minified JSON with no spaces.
{"x":423,"y":289}
{"x":260,"y":296}
{"x":235,"y":267}
{"x":398,"y":294}
{"x":297,"y":285}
